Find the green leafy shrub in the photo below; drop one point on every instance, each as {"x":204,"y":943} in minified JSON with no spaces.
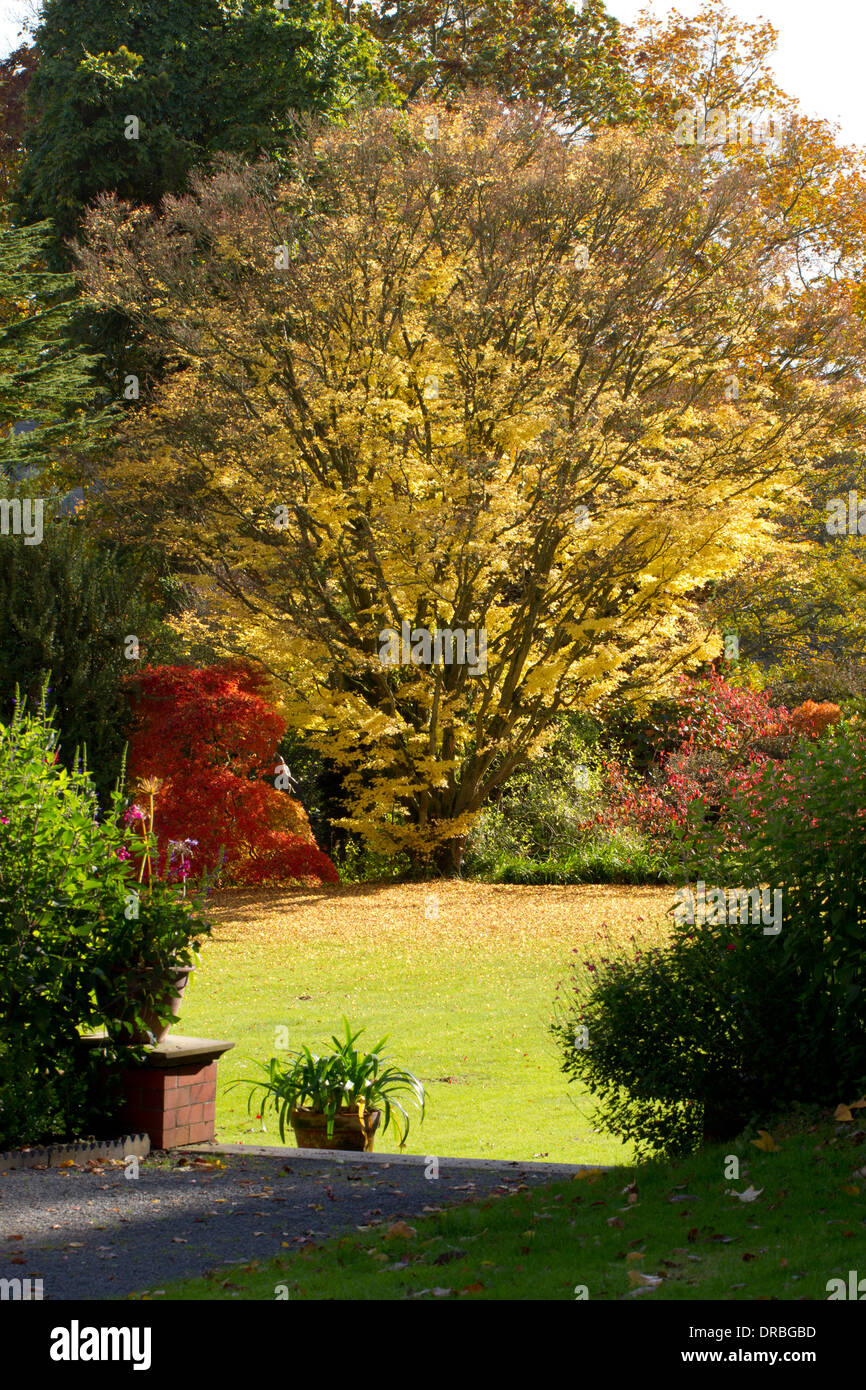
{"x":165,"y":936}
{"x":62,"y":877}
{"x":729,"y":1024}
{"x":73,"y":926}
{"x":539,"y":812}
{"x":544,"y":826}
{"x":358,"y":863}
{"x":802,"y":829}
{"x":686,"y":1040}
{"x":616,"y":857}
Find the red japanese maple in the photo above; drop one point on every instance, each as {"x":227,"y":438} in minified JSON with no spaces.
{"x":211,"y":734}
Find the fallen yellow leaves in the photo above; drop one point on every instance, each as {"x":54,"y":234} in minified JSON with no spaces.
{"x":399,"y":1230}
{"x":843,"y":1112}
{"x":468,"y":914}
{"x":766,"y":1143}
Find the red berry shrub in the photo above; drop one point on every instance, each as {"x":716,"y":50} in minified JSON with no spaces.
{"x":210,"y":734}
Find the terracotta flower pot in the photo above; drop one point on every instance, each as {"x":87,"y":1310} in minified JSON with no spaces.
{"x":351,"y":1130}
{"x":179,"y":978}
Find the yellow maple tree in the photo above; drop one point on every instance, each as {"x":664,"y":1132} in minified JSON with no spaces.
{"x":473,"y":382}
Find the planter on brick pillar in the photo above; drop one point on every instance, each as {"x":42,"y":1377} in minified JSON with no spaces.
{"x":171,"y":1096}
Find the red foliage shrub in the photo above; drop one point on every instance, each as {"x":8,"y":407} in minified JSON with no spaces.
{"x":725,"y":734}
{"x":210,"y":734}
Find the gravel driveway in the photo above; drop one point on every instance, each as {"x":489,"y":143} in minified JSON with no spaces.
{"x":91,"y":1232}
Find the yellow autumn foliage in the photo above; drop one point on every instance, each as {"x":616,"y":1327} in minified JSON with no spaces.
{"x":405,"y":425}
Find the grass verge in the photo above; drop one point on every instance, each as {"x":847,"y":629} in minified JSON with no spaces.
{"x":793,"y":1219}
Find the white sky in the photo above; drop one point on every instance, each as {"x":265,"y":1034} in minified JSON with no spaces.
{"x":819,"y":58}
{"x":13,"y":14}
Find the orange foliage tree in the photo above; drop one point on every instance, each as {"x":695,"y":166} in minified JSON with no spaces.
{"x":811,"y":718}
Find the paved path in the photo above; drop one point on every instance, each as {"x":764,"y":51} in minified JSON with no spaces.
{"x":91,"y":1232}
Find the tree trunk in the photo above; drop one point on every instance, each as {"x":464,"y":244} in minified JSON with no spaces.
{"x":448,"y":857}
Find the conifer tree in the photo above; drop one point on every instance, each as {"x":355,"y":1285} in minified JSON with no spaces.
{"x":46,"y":379}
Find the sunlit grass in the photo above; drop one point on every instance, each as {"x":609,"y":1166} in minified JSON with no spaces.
{"x":461,"y":975}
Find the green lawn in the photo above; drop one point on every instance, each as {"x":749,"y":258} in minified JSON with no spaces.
{"x":462,"y":976}
{"x":671,"y":1231}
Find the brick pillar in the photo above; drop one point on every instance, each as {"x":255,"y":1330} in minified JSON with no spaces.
{"x":172,"y":1095}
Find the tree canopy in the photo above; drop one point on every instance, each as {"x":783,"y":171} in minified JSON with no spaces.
{"x":566,"y":56}
{"x":16,"y":73}
{"x":46,"y":380}
{"x":130,"y":97}
{"x":477,"y":381}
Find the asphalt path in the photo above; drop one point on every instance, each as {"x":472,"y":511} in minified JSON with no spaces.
{"x":89,"y":1231}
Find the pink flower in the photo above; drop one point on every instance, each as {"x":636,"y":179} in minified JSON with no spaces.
{"x":123,"y":853}
{"x":134,"y":813}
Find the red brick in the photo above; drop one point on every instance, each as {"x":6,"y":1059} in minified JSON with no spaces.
{"x":172,"y":1137}
{"x":153,"y":1086}
{"x":174,"y":1105}
{"x":146,"y":1114}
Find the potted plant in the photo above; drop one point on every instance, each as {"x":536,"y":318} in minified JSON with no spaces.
{"x":156,"y":939}
{"x":336,"y":1101}
{"x":152,"y":957}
